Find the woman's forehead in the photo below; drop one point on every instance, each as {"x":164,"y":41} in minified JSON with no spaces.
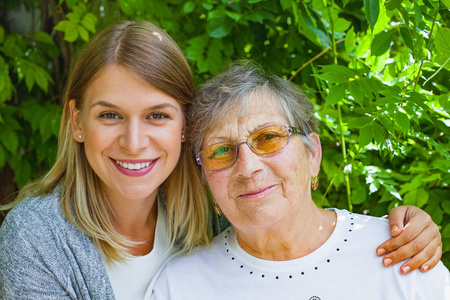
{"x":245,"y":117}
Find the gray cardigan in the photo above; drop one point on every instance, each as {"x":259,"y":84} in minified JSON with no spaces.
{"x":44,"y":256}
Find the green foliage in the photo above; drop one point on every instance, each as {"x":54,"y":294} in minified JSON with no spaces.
{"x":376,"y":71}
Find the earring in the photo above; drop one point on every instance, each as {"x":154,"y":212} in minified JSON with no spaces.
{"x":182,"y":136}
{"x":217,"y":209}
{"x":315,"y":183}
{"x":79,"y":136}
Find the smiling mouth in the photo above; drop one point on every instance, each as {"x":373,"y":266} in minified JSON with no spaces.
{"x":257,"y":193}
{"x":131,"y":166}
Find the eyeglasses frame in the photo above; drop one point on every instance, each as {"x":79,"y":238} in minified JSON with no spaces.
{"x":290,"y":130}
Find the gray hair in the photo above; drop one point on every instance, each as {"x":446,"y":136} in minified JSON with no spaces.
{"x":232,"y":90}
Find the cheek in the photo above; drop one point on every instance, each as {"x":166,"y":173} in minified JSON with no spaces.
{"x":218,"y":184}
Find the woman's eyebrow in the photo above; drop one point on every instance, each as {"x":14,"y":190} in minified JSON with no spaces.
{"x":153,"y":107}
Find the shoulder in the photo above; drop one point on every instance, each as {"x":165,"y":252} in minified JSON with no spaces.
{"x":203,"y":255}
{"x":364,"y":227}
{"x":36,"y":222}
{"x":34,"y":214}
{"x":46,"y":205}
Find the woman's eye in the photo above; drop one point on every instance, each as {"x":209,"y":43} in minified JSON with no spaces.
{"x":218,"y":152}
{"x":268,"y":137}
{"x":158,"y":116}
{"x":109,"y":115}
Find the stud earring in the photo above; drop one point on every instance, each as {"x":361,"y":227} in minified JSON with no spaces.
{"x":79,"y":136}
{"x":182,"y":136}
{"x":315,"y":183}
{"x":217,"y":209}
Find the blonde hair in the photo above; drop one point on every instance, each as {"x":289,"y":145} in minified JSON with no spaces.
{"x":150,"y":54}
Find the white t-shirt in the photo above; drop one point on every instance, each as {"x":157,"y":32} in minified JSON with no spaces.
{"x":130,"y":279}
{"x":344,"y":267}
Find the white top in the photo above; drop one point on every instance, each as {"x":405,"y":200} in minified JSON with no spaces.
{"x":131,"y":278}
{"x":344,"y":267}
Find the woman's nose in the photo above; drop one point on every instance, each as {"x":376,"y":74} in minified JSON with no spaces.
{"x":247,"y":162}
{"x":134,"y":138}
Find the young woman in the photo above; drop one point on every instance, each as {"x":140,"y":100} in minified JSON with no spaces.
{"x":124,"y":185}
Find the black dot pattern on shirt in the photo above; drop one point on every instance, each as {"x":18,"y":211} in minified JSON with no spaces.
{"x":303,"y":273}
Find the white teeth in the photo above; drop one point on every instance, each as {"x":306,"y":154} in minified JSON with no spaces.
{"x":131,"y":166}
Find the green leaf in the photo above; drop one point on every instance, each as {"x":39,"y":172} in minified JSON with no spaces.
{"x":332,"y":77}
{"x":188,"y":7}
{"x":73,"y":17}
{"x":332,"y":14}
{"x":418,"y":13}
{"x":337,"y":73}
{"x":83,"y":33}
{"x":29,"y":78}
{"x":446,"y":3}
{"x":379,"y":134}
{"x":350,"y":40}
{"x":41,"y":78}
{"x":359,"y":122}
{"x":387,"y":100}
{"x":407,"y":37}
{"x":285,"y":4}
{"x":71,"y":32}
{"x":372,"y":10}
{"x":22,"y":173}
{"x":62,"y":25}
{"x":2,"y":157}
{"x":79,"y":9}
{"x":442,"y":41}
{"x":381,"y":43}
{"x":10,"y":140}
{"x":89,"y":21}
{"x":219,"y":27}
{"x":2,"y":34}
{"x":356,"y":92}
{"x":233,"y":15}
{"x":446,"y":231}
{"x":359,"y":195}
{"x":336,"y":94}
{"x":446,"y":207}
{"x":443,"y":100}
{"x":392,"y":4}
{"x":432,"y":177}
{"x":402,"y":121}
{"x":417,"y":197}
{"x":365,"y":135}
{"x":43,"y":37}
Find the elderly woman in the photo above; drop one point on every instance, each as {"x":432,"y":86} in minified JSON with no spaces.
{"x":254,"y":135}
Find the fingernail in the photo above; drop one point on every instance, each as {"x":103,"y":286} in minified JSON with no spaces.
{"x":406,"y":269}
{"x":381,"y":251}
{"x":394,"y":228}
{"x":387,"y":262}
{"x":424,"y":268}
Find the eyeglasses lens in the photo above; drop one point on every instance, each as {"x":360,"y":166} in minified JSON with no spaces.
{"x":264,"y":141}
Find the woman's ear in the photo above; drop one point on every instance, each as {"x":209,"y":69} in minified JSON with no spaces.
{"x":77,"y":131}
{"x":316,"y":154}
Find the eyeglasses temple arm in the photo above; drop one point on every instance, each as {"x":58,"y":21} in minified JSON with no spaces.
{"x":296,"y":130}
